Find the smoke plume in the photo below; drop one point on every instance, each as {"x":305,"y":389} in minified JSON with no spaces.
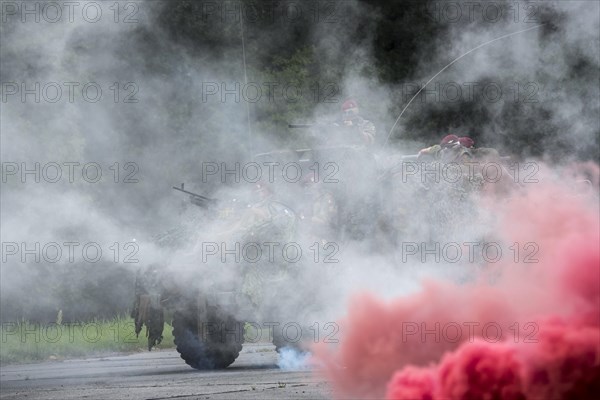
{"x":544,"y":343}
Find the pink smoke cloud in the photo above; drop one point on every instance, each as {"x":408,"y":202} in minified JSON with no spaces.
{"x":532,"y":334}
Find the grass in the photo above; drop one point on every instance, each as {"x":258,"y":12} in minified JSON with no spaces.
{"x":25,"y":341}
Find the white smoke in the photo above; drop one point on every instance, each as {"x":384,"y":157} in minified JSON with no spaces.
{"x":291,"y":359}
{"x":171,"y":131}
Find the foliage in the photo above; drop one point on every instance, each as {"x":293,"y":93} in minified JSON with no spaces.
{"x":31,"y":341}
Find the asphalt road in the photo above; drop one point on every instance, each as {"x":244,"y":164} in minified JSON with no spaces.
{"x":160,"y":375}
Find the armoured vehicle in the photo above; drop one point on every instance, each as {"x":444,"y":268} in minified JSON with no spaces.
{"x":220,"y":284}
{"x":235,"y":262}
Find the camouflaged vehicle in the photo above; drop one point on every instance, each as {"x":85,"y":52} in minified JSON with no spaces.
{"x":211,"y":302}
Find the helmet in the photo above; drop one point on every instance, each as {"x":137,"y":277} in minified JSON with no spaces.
{"x":348,"y":104}
{"x":466,"y":141}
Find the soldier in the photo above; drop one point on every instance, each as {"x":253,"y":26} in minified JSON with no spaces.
{"x":321,"y":212}
{"x":481,"y":153}
{"x":352,"y":120}
{"x":264,"y":221}
{"x":433,"y":153}
{"x":249,"y":212}
{"x":457,"y":150}
{"x":147,"y":308}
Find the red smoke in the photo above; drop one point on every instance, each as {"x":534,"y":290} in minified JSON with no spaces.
{"x":532,"y":334}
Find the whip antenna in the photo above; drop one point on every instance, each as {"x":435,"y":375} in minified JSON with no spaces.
{"x":447,"y":66}
{"x":246,"y":85}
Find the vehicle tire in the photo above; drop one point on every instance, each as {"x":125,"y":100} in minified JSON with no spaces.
{"x":215,"y":348}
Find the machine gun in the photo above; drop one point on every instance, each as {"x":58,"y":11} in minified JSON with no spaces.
{"x":197,"y":199}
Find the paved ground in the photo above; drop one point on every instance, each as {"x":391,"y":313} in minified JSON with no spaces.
{"x":160,"y":375}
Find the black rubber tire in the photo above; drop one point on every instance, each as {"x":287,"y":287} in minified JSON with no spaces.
{"x":215,"y":351}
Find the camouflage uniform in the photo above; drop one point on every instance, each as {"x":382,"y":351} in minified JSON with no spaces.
{"x":325,"y":215}
{"x":147,"y":308}
{"x":319,"y":213}
{"x":268,"y":221}
{"x":455,"y":154}
{"x":362,"y":130}
{"x":431,"y":153}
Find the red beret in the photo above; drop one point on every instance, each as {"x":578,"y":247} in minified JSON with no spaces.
{"x":466,"y":142}
{"x":449,"y":139}
{"x":349,"y":104}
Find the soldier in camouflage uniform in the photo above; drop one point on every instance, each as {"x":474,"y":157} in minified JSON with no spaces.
{"x":483,"y":157}
{"x":361,"y":129}
{"x":320,"y":214}
{"x":458,"y":151}
{"x":452,"y":149}
{"x":434,"y":153}
{"x":487,"y":154}
{"x":265,"y":220}
{"x":147,"y":309}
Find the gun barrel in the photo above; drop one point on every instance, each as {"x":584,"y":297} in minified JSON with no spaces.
{"x":195,"y":195}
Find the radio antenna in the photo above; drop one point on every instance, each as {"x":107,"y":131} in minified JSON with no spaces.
{"x":250,"y":147}
{"x":446,"y":67}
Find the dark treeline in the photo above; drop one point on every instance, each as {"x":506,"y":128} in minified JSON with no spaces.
{"x":401,"y":41}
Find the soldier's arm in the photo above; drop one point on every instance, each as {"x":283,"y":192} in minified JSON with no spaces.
{"x":430,"y":152}
{"x":368,"y":131}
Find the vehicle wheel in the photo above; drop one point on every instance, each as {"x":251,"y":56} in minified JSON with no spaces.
{"x":214,"y":344}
